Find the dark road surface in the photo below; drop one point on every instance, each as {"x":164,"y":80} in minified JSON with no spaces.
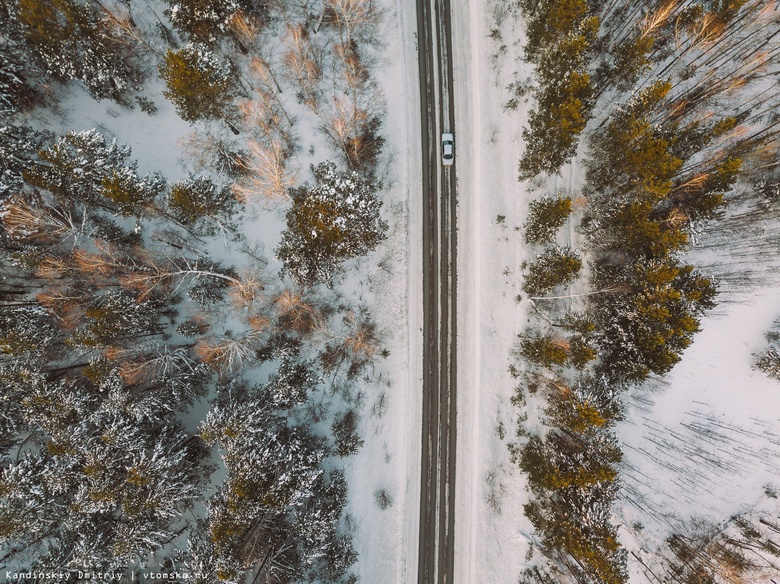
{"x":437,"y":504}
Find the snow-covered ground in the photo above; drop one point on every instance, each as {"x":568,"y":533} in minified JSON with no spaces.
{"x":706,"y":441}
{"x":386,"y":540}
{"x":490,"y":542}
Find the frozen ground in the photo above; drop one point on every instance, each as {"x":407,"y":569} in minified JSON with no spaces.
{"x":390,"y":459}
{"x":490,"y":545}
{"x":706,"y":441}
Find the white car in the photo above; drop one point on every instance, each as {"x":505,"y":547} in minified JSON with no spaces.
{"x":447,"y":149}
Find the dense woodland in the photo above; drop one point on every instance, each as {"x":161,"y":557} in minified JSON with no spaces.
{"x":671,"y":108}
{"x":120,"y":328}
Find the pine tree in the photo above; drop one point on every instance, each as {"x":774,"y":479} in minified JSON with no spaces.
{"x":203,"y":20}
{"x":19,"y":146}
{"x":646,"y":328}
{"x":199,"y":85}
{"x":290,"y":385}
{"x":75,"y":167}
{"x":131,"y":194}
{"x":334,"y":221}
{"x":200,"y":203}
{"x":345,"y":434}
{"x":117,"y":318}
{"x":545,"y":217}
{"x":15,"y":91}
{"x":555,"y":125}
{"x":72,"y":42}
{"x":94,"y":487}
{"x":545,"y":350}
{"x":556,"y":266}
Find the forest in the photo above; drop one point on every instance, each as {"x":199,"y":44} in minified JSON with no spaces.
{"x":670,"y":107}
{"x":174,"y":397}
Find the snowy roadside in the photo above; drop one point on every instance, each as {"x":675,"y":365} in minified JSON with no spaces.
{"x":490,"y":544}
{"x":387,"y":539}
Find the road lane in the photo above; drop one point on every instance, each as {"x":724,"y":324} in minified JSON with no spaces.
{"x":437,"y":518}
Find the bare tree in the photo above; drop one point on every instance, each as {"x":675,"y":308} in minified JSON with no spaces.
{"x":267,"y":174}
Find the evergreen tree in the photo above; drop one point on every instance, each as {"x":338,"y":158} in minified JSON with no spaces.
{"x":201,"y":204}
{"x":15,"y":92}
{"x":95,"y":487}
{"x":545,"y":217}
{"x":76,"y":165}
{"x":647,"y":327}
{"x":290,"y":385}
{"x":199,"y":85}
{"x":274,"y":504}
{"x":19,"y":146}
{"x":117,"y":318}
{"x":131,"y":194}
{"x":555,"y":125}
{"x":768,"y":360}
{"x":545,"y":351}
{"x":334,"y":221}
{"x":556,"y":266}
{"x":345,"y":434}
{"x":204,"y":20}
{"x":72,"y":42}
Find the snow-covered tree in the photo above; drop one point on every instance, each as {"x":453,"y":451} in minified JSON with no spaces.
{"x":87,"y":169}
{"x":93,"y":485}
{"x":346,"y":436}
{"x":334,"y":221}
{"x":117,"y":318}
{"x":203,"y":20}
{"x":15,"y":92}
{"x":132,"y":194}
{"x":72,"y":42}
{"x":199,"y":84}
{"x":768,"y":360}
{"x":291,"y":383}
{"x":647,"y":325}
{"x":203,"y":205}
{"x":273,"y":470}
{"x":27,"y":332}
{"x":545,"y":217}
{"x":556,"y":266}
{"x":19,"y":146}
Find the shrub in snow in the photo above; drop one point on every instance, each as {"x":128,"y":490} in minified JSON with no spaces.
{"x":199,"y":85}
{"x":556,"y":266}
{"x":545,"y":217}
{"x":768,"y":360}
{"x":383,"y":499}
{"x":336,"y":220}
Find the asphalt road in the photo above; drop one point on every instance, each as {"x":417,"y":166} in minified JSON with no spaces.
{"x":437,"y":501}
